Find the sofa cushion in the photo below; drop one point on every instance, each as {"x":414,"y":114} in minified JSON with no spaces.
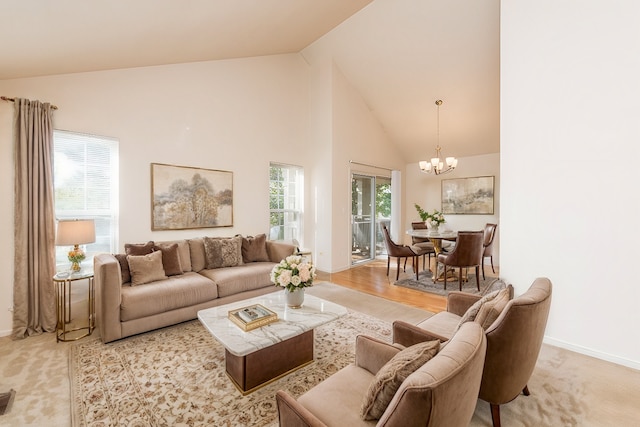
{"x":223,"y":252}
{"x":254,"y":249}
{"x":389,"y":378}
{"x":124,"y":267}
{"x":170,"y":258}
{"x":246,"y":277}
{"x":336,"y":401}
{"x":183,"y":251}
{"x":443,"y":324}
{"x":159,"y":297}
{"x":138,"y":248}
{"x":198,"y":256}
{"x":146,"y":268}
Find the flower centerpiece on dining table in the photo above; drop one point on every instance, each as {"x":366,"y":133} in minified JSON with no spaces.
{"x":436,"y":218}
{"x":294,"y":273}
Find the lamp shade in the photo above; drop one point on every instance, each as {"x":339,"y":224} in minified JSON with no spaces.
{"x":75,"y":232}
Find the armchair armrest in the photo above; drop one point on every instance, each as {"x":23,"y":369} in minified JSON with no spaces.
{"x":372,"y":354}
{"x":407,"y":334}
{"x":459,"y":302}
{"x":108,"y":282}
{"x":293,"y":414}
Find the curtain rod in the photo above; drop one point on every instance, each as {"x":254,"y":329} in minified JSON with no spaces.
{"x":6,"y":98}
{"x":371,"y":166}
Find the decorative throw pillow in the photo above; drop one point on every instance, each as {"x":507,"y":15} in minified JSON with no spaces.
{"x":472,"y":312}
{"x":254,"y":249}
{"x":232,"y":251}
{"x":146,"y":268}
{"x":170,"y":258}
{"x":221,"y":252}
{"x":124,"y":267}
{"x":490,"y":310}
{"x":213,"y":252}
{"x":389,"y":378}
{"x":139,"y":248}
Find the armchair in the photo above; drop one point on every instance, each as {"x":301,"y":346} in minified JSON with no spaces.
{"x":514,"y":339}
{"x":442,"y":392}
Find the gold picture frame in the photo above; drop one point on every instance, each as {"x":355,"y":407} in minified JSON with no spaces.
{"x":184,"y":197}
{"x":468,"y":196}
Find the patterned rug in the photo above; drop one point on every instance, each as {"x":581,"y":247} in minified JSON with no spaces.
{"x":176,"y":376}
{"x":425,"y":284}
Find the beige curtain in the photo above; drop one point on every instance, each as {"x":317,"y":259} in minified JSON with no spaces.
{"x":34,"y":307}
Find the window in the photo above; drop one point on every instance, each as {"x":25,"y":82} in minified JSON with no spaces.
{"x":86,"y":186}
{"x":286,"y":200}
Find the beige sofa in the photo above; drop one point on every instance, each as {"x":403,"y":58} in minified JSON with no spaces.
{"x":123,"y":309}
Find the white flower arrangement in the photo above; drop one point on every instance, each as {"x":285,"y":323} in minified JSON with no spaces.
{"x":293,"y":273}
{"x":436,"y":218}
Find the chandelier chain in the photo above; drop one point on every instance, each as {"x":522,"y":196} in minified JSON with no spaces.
{"x":437,"y":165}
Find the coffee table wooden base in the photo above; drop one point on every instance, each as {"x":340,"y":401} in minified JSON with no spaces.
{"x":263,"y":366}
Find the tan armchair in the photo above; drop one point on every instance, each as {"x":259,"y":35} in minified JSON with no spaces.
{"x":443,"y":392}
{"x":513,"y":340}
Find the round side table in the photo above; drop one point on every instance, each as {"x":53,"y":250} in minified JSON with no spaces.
{"x":62,"y":282}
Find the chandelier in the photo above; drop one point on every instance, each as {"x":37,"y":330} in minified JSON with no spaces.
{"x":436,"y":165}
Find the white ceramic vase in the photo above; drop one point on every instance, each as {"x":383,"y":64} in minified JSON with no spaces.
{"x":294,"y":298}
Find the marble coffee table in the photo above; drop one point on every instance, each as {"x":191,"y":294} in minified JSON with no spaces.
{"x":257,"y":357}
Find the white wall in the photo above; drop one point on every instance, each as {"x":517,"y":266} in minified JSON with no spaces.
{"x":570,"y":146}
{"x":426,"y":190}
{"x":357,"y":136}
{"x":234,"y":115}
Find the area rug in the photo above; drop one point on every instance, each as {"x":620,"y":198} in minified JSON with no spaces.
{"x":425,"y":284}
{"x":176,"y":376}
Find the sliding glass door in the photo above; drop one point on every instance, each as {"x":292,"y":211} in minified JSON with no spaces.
{"x":370,"y":205}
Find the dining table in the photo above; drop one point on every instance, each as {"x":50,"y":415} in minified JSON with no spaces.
{"x":436,"y":237}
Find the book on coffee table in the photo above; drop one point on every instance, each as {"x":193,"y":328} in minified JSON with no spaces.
{"x":252,"y":317}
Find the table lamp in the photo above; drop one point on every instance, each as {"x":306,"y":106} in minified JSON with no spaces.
{"x":75,"y":232}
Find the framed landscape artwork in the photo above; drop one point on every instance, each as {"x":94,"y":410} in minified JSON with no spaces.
{"x":468,"y":195}
{"x":184,"y":197}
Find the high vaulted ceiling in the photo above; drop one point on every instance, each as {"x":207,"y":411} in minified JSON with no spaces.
{"x":401,"y":55}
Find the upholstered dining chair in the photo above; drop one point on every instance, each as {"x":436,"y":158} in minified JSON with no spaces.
{"x":400,"y":252}
{"x":466,"y":253}
{"x":489,"y":235}
{"x":443,"y":391}
{"x":422,"y":242}
{"x":514,"y":338}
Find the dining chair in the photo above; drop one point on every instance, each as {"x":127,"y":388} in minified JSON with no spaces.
{"x":466,"y":253}
{"x":400,"y":251}
{"x":422,"y":242}
{"x":489,"y":235}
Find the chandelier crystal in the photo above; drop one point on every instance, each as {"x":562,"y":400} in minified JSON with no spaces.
{"x":436,"y":165}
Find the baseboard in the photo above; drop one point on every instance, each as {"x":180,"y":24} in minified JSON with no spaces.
{"x":5,"y":333}
{"x":593,"y":353}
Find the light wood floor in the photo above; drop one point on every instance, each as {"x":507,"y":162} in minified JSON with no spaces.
{"x":372,"y":278}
